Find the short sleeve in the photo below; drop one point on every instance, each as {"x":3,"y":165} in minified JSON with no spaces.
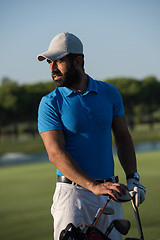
{"x":118,"y":109}
{"x":48,"y":115}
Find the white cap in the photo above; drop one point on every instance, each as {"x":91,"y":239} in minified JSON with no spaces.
{"x":61,"y":45}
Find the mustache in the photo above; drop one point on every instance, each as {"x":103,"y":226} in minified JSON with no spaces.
{"x":57,"y":72}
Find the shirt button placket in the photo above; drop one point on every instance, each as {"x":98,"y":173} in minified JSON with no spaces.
{"x":86,"y":109}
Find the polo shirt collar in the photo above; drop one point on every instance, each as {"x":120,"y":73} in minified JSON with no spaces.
{"x":91,"y":88}
{"x":66,"y":91}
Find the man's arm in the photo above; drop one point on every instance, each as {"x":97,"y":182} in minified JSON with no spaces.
{"x":124,"y":143}
{"x":127,"y":157}
{"x":55,"y":145}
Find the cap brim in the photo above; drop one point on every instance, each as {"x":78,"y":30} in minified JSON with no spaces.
{"x":51,"y":55}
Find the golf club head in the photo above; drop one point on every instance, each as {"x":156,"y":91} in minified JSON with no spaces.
{"x":108,"y":211}
{"x":124,"y":198}
{"x":121,"y":225}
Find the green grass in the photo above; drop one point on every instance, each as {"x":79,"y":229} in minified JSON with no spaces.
{"x":25,"y":199}
{"x":26,"y":145}
{"x":26,"y":196}
{"x":143,"y":133}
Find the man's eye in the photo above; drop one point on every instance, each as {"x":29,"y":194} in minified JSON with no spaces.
{"x":48,"y":61}
{"x":59,"y":60}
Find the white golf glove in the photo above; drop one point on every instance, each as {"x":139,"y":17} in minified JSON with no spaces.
{"x":135,"y":187}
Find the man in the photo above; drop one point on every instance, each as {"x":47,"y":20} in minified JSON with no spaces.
{"x":75,"y":123}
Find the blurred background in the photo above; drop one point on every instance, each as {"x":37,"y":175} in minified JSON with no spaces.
{"x":121,"y":46}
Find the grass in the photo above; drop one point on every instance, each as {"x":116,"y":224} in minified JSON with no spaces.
{"x":143,"y":133}
{"x":26,"y":145}
{"x":26,"y":197}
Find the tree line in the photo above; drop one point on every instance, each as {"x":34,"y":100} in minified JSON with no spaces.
{"x":19,"y":103}
{"x":141,"y":99}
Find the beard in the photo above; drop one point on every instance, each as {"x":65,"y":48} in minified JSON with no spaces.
{"x":70,"y":78}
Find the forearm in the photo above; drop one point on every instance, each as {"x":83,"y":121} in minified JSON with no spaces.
{"x":55,"y":145}
{"x":124,"y":143}
{"x":126,"y":154}
{"x":70,"y":169}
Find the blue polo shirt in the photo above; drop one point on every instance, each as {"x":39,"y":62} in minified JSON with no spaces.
{"x":86,"y":120}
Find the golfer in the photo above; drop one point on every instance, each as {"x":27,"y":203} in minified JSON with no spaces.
{"x":75,"y":122}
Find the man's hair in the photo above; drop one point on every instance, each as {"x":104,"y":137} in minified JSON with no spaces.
{"x":72,"y":56}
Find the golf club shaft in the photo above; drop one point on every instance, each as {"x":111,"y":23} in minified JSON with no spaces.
{"x":139,"y":223}
{"x":136,"y":212}
{"x":99,"y":213}
{"x":109,"y":229}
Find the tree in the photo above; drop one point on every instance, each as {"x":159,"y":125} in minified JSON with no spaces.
{"x":31,"y":99}
{"x":9,"y":104}
{"x":5,"y":81}
{"x":20,"y":103}
{"x":149,"y":100}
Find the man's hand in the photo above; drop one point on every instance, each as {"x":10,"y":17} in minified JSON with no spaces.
{"x":137,"y":188}
{"x":114,"y":190}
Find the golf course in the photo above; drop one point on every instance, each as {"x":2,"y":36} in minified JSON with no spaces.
{"x":27,"y":189}
{"x":80,"y":97}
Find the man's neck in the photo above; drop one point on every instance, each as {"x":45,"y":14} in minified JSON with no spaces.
{"x":82,"y":86}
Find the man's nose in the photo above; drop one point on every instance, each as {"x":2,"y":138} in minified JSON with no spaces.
{"x":53,"y":65}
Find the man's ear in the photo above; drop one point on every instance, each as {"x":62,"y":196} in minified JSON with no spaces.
{"x":78,"y":62}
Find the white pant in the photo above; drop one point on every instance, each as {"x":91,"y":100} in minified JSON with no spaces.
{"x":74,"y":204}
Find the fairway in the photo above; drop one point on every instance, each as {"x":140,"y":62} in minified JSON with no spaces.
{"x":26,"y":197}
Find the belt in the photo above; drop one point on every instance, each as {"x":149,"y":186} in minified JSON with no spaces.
{"x":63,"y":179}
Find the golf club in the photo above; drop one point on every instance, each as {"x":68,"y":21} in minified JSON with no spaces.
{"x":125,"y":198}
{"x":121,"y":225}
{"x":108,"y":211}
{"x":99,"y":213}
{"x":136,"y":212}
